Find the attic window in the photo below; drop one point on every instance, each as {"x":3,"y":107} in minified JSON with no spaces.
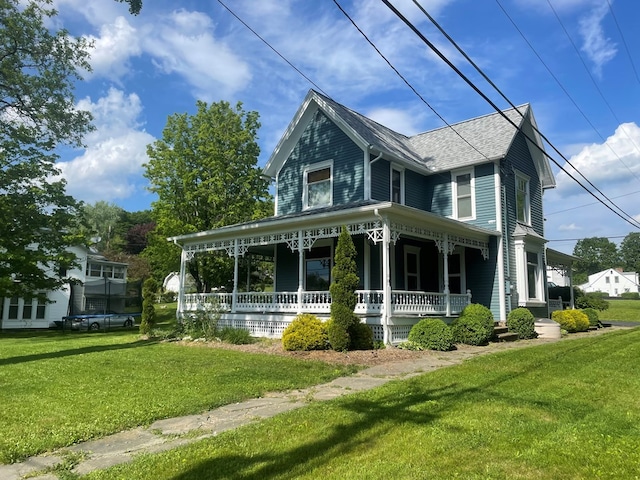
{"x":463,"y":187}
{"x":317,"y":186}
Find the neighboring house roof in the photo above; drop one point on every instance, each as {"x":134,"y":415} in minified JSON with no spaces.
{"x":481,"y":139}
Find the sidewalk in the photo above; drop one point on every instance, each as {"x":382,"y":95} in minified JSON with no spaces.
{"x":171,"y":433}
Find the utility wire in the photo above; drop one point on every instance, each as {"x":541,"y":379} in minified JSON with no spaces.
{"x":481,"y":72}
{"x":405,"y":80}
{"x":587,"y":204}
{"x":595,"y":84}
{"x":626,"y":47}
{"x":272,"y":48}
{"x":629,"y":219}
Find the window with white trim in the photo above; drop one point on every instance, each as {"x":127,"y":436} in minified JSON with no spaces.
{"x":523,"y":208}
{"x":397,"y":185}
{"x":317,"y":268}
{"x":463,"y":186}
{"x":533,"y":275}
{"x":317,"y":190}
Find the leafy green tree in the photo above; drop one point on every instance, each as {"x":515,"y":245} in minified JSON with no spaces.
{"x":38,"y":70}
{"x":134,"y":6}
{"x":630,"y":252}
{"x":102,"y":219}
{"x":595,"y":254}
{"x":205,"y":174}
{"x":343,"y":293}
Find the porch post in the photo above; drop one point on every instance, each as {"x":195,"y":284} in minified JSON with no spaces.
{"x":234,"y":295}
{"x":386,"y":281}
{"x":571,"y":287}
{"x":447,"y":293}
{"x":183,"y":269}
{"x":300,"y":269}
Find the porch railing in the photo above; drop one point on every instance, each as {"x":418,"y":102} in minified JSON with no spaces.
{"x":369,"y":302}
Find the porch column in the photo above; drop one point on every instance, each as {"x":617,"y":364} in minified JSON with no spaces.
{"x":572,"y":300}
{"x":300,"y":269}
{"x":234,"y":295}
{"x":183,"y":269}
{"x":447,"y":293}
{"x":386,"y":281}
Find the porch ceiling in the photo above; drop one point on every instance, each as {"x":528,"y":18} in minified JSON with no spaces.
{"x":363,"y":218}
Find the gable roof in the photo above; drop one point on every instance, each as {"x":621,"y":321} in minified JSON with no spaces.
{"x":474,"y":141}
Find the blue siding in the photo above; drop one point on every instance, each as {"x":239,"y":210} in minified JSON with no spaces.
{"x":482,"y":277}
{"x":286,"y":269}
{"x":415,"y":192}
{"x":322,"y":140}
{"x":381,"y":181}
{"x":485,"y":197}
{"x":438,"y":194}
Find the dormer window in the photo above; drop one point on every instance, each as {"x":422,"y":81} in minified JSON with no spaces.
{"x":318,"y":191}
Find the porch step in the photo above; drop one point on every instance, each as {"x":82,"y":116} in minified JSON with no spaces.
{"x":501,"y":333}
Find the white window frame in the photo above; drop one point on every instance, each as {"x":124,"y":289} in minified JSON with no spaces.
{"x":454,"y":191}
{"x":400,"y":170}
{"x":522,"y":266}
{"x":521,"y":177}
{"x":305,"y":185}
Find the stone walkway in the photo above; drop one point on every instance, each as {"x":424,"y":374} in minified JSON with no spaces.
{"x":174,"y":432}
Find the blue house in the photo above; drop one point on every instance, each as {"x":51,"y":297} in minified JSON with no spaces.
{"x":441,"y":219}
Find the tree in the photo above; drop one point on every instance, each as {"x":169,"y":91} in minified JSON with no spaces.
{"x":149,"y":290}
{"x":595,"y":254}
{"x":134,"y":6}
{"x":204,"y":172}
{"x":630,"y":252}
{"x":102,"y":219}
{"x":344,"y":276}
{"x":37,"y":114}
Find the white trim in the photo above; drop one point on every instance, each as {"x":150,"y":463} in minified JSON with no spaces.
{"x":454,"y":192}
{"x":501,"y":241}
{"x":305,"y":186}
{"x":366,"y":170}
{"x":321,"y":243}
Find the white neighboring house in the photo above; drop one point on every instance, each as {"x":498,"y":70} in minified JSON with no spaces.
{"x":171,"y":283}
{"x":613,"y":282}
{"x":101,"y":286}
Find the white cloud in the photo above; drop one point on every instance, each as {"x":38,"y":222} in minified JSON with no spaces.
{"x":117,"y":42}
{"x":401,"y":121}
{"x":111,"y":165}
{"x":596,"y":45}
{"x":614,"y":163}
{"x":572,"y":227}
{"x":184,"y":43}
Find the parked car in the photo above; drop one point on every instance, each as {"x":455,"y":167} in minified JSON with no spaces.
{"x":98,"y":319}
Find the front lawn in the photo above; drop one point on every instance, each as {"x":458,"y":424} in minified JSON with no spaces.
{"x":60,"y":388}
{"x":566,"y":410}
{"x":621,"y":310}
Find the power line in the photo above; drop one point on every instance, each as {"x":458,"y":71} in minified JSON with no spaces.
{"x":273,"y":48}
{"x":595,"y":84}
{"x":629,"y":219}
{"x":404,"y":79}
{"x":626,"y":47}
{"x":587,"y":204}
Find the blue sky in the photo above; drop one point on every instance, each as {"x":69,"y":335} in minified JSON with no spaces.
{"x":574,"y":61}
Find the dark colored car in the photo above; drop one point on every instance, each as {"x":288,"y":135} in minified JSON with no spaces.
{"x":99,"y":319}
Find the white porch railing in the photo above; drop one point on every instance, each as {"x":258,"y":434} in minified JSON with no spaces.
{"x":369,"y":302}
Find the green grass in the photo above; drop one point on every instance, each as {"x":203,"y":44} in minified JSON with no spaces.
{"x":567,"y":410}
{"x":622,"y":310}
{"x":60,"y":388}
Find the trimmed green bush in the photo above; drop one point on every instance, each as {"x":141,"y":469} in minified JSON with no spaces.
{"x":592,"y":314}
{"x":432,"y":334}
{"x":522,"y":322}
{"x":571,"y":320}
{"x":342,"y":319}
{"x":235,"y":336}
{"x":630,"y":295}
{"x":306,"y":332}
{"x":361,"y":336}
{"x":474,"y":326}
{"x":591,"y":300}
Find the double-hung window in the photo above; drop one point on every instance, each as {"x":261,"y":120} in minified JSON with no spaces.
{"x":397,"y":185}
{"x":533,"y":275}
{"x":318,"y":191}
{"x":463,"y":199}
{"x":522,"y":199}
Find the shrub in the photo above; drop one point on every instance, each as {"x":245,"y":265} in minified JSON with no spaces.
{"x":306,"y":332}
{"x":474,"y":326}
{"x":521,"y":321}
{"x":149,"y":288}
{"x":235,"y":336}
{"x":571,"y":320}
{"x":409,"y":345}
{"x":201,"y":324}
{"x":432,"y":334}
{"x":592,"y":314}
{"x":361,"y":336}
{"x":591,"y":300}
{"x":342,"y":320}
{"x":630,"y":295}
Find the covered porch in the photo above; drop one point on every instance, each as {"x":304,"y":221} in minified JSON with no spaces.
{"x":411,"y":264}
